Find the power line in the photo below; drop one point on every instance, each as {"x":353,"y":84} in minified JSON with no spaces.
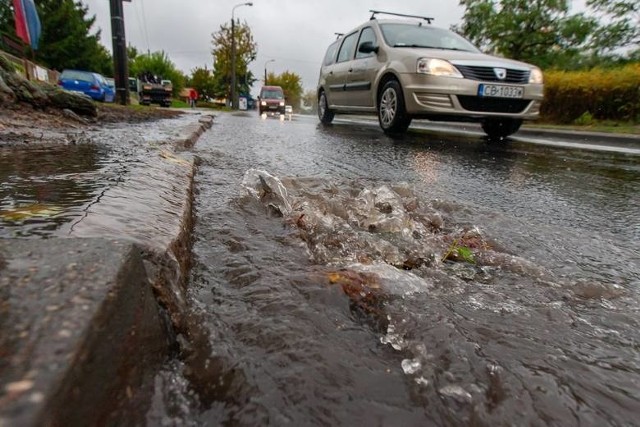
{"x":144,"y":25}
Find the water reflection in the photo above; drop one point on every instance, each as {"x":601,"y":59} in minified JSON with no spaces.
{"x":45,"y":187}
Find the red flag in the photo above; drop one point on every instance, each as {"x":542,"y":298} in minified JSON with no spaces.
{"x":28,"y":26}
{"x":21,"y":22}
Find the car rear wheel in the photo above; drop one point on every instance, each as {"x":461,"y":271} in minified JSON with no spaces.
{"x":500,"y":128}
{"x":324,"y":113}
{"x":392,"y":113}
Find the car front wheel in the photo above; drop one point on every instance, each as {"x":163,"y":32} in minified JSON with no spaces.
{"x":392,"y":113}
{"x":500,"y":128}
{"x":324,"y":113}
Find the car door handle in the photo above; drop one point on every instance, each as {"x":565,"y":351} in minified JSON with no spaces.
{"x":350,"y":70}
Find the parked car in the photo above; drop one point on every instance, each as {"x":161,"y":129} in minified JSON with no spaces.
{"x":91,"y":84}
{"x":271,"y":100}
{"x":112,"y":85}
{"x":133,"y":85}
{"x":402,"y":69}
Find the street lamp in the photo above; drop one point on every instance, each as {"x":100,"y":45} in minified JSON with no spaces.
{"x":234,"y":101}
{"x":265,"y":70}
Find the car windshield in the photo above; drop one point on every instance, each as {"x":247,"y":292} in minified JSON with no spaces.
{"x":272,"y":94}
{"x":412,"y":35}
{"x":76,"y":75}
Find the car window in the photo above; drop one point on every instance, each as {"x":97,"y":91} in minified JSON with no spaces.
{"x":412,"y":35}
{"x":272,"y":94}
{"x":330,"y":56}
{"x":76,"y":75}
{"x":367,"y":35}
{"x":348,"y":45}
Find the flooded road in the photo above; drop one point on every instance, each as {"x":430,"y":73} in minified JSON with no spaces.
{"x":341,"y":277}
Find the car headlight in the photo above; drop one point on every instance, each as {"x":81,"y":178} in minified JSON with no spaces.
{"x":437,"y":67}
{"x":263,"y":103}
{"x":282,"y":103}
{"x":536,"y":76}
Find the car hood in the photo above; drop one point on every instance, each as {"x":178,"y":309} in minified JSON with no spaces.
{"x":469,"y":58}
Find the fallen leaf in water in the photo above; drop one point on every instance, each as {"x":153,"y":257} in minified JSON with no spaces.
{"x":36,"y":210}
{"x":168,"y":155}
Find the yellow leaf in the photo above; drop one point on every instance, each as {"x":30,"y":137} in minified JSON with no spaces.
{"x":35,"y":210}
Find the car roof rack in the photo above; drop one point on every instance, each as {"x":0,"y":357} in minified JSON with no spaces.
{"x":376,"y":12}
{"x":338,"y":35}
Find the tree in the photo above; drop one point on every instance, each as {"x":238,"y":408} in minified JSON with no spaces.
{"x":7,"y":26}
{"x":67,"y":41}
{"x":159,"y":64}
{"x":291,"y":84}
{"x":537,"y":31}
{"x":202,"y":80}
{"x":246,"y":49}
{"x":621,"y":24}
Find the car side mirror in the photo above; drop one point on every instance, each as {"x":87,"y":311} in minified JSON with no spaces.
{"x":367,"y":47}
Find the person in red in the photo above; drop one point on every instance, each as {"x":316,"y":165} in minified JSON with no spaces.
{"x":193,"y":96}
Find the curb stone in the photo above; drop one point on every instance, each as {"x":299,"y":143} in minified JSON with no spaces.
{"x":85,"y":322}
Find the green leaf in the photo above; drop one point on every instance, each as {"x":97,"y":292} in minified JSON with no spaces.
{"x":465,"y":254}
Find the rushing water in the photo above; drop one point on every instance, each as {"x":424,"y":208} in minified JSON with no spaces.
{"x":344,"y":278}
{"x":116,"y":183}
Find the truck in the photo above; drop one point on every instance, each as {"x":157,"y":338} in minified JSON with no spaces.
{"x":151,"y":90}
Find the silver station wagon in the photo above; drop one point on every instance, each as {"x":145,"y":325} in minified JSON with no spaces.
{"x":406,"y":68}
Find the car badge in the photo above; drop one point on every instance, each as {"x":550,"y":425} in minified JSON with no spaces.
{"x":501,"y":73}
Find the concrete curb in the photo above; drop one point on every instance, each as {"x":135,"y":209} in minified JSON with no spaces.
{"x":527,"y":130}
{"x":611,"y":138}
{"x":88,"y":331}
{"x":530,"y":131}
{"x":92,"y":318}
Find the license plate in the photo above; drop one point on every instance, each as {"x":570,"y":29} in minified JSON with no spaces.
{"x":500,"y":91}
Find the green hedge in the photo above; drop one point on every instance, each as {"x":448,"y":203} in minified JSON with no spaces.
{"x":602,"y":94}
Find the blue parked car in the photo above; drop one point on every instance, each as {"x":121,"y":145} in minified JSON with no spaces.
{"x":91,"y":84}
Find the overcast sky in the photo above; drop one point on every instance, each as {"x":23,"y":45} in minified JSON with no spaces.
{"x":294,"y":33}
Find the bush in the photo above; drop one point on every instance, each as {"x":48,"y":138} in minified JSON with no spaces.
{"x":600,"y":94}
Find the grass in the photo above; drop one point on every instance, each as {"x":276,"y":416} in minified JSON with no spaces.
{"x":176,"y":103}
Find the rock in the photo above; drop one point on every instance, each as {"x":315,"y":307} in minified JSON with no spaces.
{"x":77,"y":103}
{"x":6,"y":65}
{"x":70,"y":114}
{"x":31,"y":93}
{"x":7,"y":96}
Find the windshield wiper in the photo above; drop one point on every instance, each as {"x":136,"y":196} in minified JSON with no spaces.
{"x":415,"y":45}
{"x":422,"y":46}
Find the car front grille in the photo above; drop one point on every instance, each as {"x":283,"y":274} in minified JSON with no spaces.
{"x":486,"y":74}
{"x":493,"y":105}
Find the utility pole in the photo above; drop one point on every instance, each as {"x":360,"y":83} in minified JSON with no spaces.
{"x":121,"y":70}
{"x":233,"y":63}
{"x":265,"y":70}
